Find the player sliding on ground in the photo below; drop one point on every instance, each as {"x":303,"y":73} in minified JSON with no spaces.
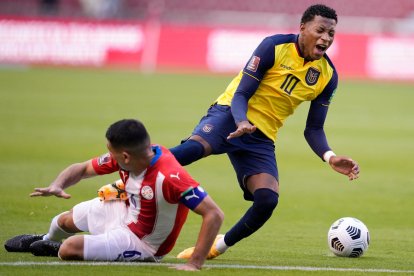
{"x":144,"y":227}
{"x":284,"y":71}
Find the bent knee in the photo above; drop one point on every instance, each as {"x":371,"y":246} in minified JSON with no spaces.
{"x":72,"y":248}
{"x":66,"y":223}
{"x":266,"y":199}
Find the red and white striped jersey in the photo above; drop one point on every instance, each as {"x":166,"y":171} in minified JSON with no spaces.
{"x":155,"y":213}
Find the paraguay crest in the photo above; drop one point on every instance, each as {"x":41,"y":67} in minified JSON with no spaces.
{"x":312,"y":76}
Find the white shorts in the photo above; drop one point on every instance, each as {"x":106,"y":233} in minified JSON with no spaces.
{"x":110,"y":239}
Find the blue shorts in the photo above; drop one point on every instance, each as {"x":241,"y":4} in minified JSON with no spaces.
{"x":249,"y":154}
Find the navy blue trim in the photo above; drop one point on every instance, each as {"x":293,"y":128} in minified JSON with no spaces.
{"x":329,"y":61}
{"x":284,"y":38}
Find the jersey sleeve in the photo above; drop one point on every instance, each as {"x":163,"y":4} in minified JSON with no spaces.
{"x":262,"y":60}
{"x":328,"y":92}
{"x":177,"y":184}
{"x":105,"y":164}
{"x":314,"y":132}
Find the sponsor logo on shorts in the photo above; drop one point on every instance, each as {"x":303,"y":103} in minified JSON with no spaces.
{"x":253,"y":64}
{"x":312,"y":76}
{"x":147,"y":192}
{"x":103,"y":159}
{"x":207,"y":128}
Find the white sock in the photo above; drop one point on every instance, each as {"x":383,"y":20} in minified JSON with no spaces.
{"x":55,"y":232}
{"x":221,"y":246}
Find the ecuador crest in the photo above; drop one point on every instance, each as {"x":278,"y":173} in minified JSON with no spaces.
{"x":312,"y":76}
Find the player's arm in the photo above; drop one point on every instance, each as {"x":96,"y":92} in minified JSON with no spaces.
{"x":261,"y":61}
{"x":212,"y":217}
{"x":315,"y":134}
{"x":68,"y":177}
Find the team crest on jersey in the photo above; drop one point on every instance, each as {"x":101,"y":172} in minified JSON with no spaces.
{"x":253,"y":64}
{"x":147,"y":192}
{"x":312,"y":76}
{"x":207,"y":128}
{"x":103,"y":159}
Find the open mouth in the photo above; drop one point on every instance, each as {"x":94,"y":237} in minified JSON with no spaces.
{"x":321,"y":48}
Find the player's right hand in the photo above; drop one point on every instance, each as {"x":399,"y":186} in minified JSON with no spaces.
{"x":242,"y":128}
{"x":345,"y":165}
{"x":48,"y":191}
{"x":186,"y":267}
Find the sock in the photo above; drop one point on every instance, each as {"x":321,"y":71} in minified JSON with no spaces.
{"x":265,"y":201}
{"x":188,"y":152}
{"x":55,"y":232}
{"x":221,"y":246}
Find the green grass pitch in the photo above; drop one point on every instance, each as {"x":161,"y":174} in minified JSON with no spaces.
{"x":50,"y":118}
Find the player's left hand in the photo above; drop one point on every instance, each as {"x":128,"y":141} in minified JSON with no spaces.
{"x":345,"y":165}
{"x":242,"y":128}
{"x":186,"y":267}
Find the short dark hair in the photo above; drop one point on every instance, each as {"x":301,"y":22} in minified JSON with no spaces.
{"x":318,"y":9}
{"x":129,"y":134}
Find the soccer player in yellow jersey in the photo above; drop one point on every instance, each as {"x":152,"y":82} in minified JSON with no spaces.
{"x":284,"y":71}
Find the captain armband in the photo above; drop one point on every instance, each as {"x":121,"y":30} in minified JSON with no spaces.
{"x":192,"y":197}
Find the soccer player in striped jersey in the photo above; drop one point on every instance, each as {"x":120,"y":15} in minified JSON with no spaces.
{"x":146,"y":226}
{"x":283,"y":72}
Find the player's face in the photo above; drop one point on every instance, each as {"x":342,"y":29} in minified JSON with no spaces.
{"x":120,"y":156}
{"x":316,"y":37}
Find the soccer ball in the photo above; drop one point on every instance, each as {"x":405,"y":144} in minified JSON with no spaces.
{"x":348,"y":237}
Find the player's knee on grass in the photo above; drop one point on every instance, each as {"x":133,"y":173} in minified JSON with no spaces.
{"x":72,"y":248}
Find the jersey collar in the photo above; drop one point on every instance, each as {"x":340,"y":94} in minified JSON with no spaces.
{"x":297,"y":47}
{"x":158,"y":152}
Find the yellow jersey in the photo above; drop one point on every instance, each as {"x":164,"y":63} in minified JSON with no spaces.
{"x":284,"y":80}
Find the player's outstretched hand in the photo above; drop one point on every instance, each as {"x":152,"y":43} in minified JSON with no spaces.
{"x":345,"y":165}
{"x":186,"y":267}
{"x":48,"y":191}
{"x":242,"y":128}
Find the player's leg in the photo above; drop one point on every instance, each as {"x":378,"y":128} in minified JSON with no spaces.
{"x":118,"y":244}
{"x":191,"y":150}
{"x":256,"y":169}
{"x":264,"y":188}
{"x":60,"y":228}
{"x":96,"y":217}
{"x":92,"y":216}
{"x":72,"y":248}
{"x":63,"y":225}
{"x":208,"y":137}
